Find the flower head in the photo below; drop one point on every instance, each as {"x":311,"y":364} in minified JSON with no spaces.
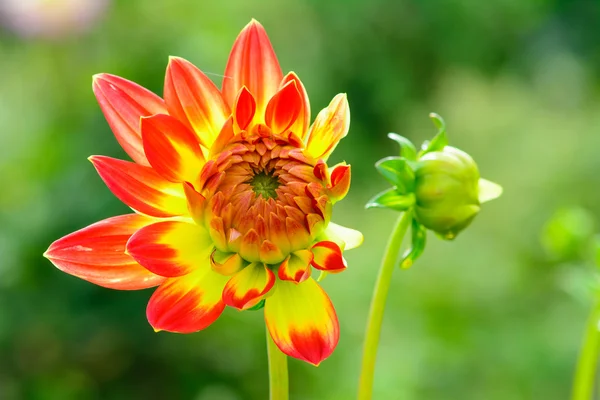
{"x":233,"y":199}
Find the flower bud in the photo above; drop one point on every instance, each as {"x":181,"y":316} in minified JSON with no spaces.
{"x":446,"y":191}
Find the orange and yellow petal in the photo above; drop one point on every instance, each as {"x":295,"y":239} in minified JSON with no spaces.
{"x":123,"y":103}
{"x":244,"y":109}
{"x":171,"y":248}
{"x":187,"y":304}
{"x":193,"y":98}
{"x":252,"y":63}
{"x":328,"y":257}
{"x":172,"y":149}
{"x":296,"y":267}
{"x":141,"y":188}
{"x":247,"y":287}
{"x":97,"y":254}
{"x":302,"y":123}
{"x":302,"y":320}
{"x":330,"y":126}
{"x":284,"y":108}
{"x":340,"y":182}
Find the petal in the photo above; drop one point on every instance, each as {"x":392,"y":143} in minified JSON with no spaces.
{"x":172,"y":149}
{"x":346,"y":238}
{"x":248,"y":287}
{"x":123,"y":104}
{"x":171,"y":248}
{"x":97,"y":254}
{"x":302,"y":321}
{"x":296,"y":267}
{"x":187,"y":304}
{"x":193,"y":98}
{"x":252,"y":63}
{"x":141,"y":188}
{"x":195,"y":203}
{"x":330,"y":126}
{"x":284,"y":108}
{"x":327,"y":257}
{"x":340,"y":182}
{"x":244,"y":109}
{"x":302,"y":123}
{"x":226,"y":263}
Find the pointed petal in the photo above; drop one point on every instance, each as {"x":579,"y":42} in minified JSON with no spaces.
{"x":171,"y":248}
{"x":296,"y":267}
{"x":302,"y":123}
{"x":172,"y":149}
{"x":194,"y":99}
{"x":123,"y":104}
{"x":187,"y":304}
{"x":330,"y":126}
{"x":302,"y":321}
{"x":97,"y":254}
{"x":140,"y":187}
{"x":346,"y":238}
{"x":249,"y":286}
{"x":244,"y":109}
{"x":340,"y":182}
{"x":488,"y":190}
{"x":328,"y":257}
{"x":252,"y":63}
{"x":284,"y":108}
{"x":195,"y":202}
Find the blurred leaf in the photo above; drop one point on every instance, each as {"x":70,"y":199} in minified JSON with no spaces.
{"x":567,"y":234}
{"x":488,"y":190}
{"x":418,"y":241}
{"x":397,"y":172}
{"x":392,"y":199}
{"x":407,"y":148}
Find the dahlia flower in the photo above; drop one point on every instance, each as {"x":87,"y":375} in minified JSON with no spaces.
{"x":232,"y":199}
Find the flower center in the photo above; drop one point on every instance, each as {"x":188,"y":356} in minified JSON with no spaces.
{"x":265,"y":185}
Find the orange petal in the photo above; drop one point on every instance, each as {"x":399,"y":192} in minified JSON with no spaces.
{"x":302,"y":321}
{"x":252,"y":63}
{"x":141,"y":188}
{"x":194,"y":99}
{"x":296,"y":267}
{"x":328,"y":257}
{"x":172,"y":149}
{"x":195,"y":203}
{"x":330,"y":126}
{"x":171,"y":248}
{"x":226,"y":263}
{"x":97,"y":254}
{"x":244,"y":109}
{"x":123,"y":104}
{"x":283,"y":108}
{"x":340,"y":182}
{"x":302,"y":123}
{"x":187,"y":304}
{"x":248,"y":287}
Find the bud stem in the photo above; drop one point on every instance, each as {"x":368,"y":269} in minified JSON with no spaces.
{"x":278,"y":371}
{"x":382,"y":286}
{"x":585,"y":374}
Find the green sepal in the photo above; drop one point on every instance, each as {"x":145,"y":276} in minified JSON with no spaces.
{"x":418,"y":241}
{"x":407,"y":148}
{"x":398,"y":173}
{"x":392,"y":199}
{"x":258,"y":306}
{"x":440,"y":140}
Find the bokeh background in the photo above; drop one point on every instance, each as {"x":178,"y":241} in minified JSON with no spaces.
{"x":484,"y":317}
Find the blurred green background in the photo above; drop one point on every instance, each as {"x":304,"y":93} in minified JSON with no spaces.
{"x":483,"y":317}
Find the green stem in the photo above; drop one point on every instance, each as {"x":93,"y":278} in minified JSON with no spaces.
{"x":389,"y":262}
{"x":585,"y":374}
{"x":278,"y":371}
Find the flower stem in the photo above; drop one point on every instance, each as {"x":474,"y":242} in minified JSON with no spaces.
{"x":585,"y":374}
{"x":278,"y":371}
{"x":382,"y":286}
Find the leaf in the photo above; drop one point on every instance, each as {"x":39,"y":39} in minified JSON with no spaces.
{"x":488,"y":190}
{"x":398,"y":173}
{"x":440,"y":140}
{"x":419,"y":239}
{"x":392,"y":199}
{"x":407,"y":148}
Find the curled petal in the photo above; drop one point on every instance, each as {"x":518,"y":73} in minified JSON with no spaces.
{"x":296,"y":267}
{"x":194,"y":99}
{"x":226,"y":263}
{"x":171,"y":248}
{"x":302,"y":123}
{"x":252,"y":63}
{"x":172,"y":149}
{"x":140,"y":187}
{"x":284,"y":108}
{"x":340,"y":182}
{"x":244,"y":109}
{"x":328,"y":257}
{"x":123,"y":104}
{"x":187,"y":304}
{"x":97,"y":254}
{"x":249,"y":286}
{"x":330,"y":126}
{"x":302,"y":321}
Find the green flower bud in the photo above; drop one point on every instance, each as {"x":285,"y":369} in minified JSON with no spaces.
{"x":446,"y":191}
